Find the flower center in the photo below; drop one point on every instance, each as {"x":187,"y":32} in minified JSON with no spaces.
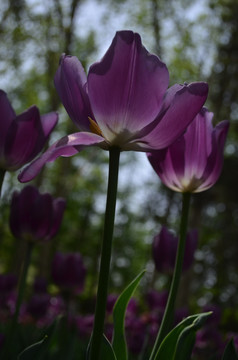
{"x":191,"y":185}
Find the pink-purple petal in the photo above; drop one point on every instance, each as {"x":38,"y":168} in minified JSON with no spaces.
{"x":67,"y":146}
{"x":179,"y":110}
{"x":48,"y":123}
{"x":22,"y":137}
{"x":198,"y":144}
{"x":127,"y":86}
{"x":26,"y":136}
{"x":214,"y":164}
{"x":71,"y":85}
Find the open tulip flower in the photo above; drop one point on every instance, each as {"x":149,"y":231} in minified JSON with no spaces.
{"x":22,"y":136}
{"x":193,"y":163}
{"x":123,"y":102}
{"x":35,"y":216}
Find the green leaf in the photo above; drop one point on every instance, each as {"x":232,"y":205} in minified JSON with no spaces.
{"x":230,"y":351}
{"x":187,"y":338}
{"x":178,"y":344}
{"x":107,"y":352}
{"x":32,"y":351}
{"x":119,"y":311}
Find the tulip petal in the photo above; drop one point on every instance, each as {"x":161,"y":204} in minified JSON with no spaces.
{"x":40,"y":221}
{"x":27,"y":136}
{"x":67,"y":146}
{"x":58,"y":211}
{"x":126,"y":87}
{"x":162,"y":159}
{"x":179,"y":109}
{"x":48,"y":122}
{"x":198,"y":144}
{"x":19,"y":220}
{"x":71,"y":83}
{"x":215,"y":160}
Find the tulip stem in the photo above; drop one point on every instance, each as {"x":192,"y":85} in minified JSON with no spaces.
{"x":168,"y":317}
{"x":96,"y":339}
{"x":21,"y":289}
{"x":2,"y":174}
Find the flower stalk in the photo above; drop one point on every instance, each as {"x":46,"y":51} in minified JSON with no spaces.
{"x":114,"y":156}
{"x":168,"y":317}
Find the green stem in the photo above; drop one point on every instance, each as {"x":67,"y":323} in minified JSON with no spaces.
{"x":21,"y":289}
{"x":114,"y":156}
{"x":2,"y":174}
{"x":168,"y":317}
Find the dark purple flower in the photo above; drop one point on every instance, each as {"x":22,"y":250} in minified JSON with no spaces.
{"x":209,"y":339}
{"x":180,"y":314}
{"x":22,"y":136}
{"x":136,"y":330}
{"x":156,"y":300}
{"x":8,"y":283}
{"x":38,"y":305}
{"x":132,"y":307}
{"x":194,"y":162}
{"x":209,"y":343}
{"x":40,"y":285}
{"x":123,"y":102}
{"x":8,"y":295}
{"x":68,"y":271}
{"x":215,"y":318}
{"x":164,"y":250}
{"x":85,"y":325}
{"x":190,"y":248}
{"x":165,"y":246}
{"x":35,"y":216}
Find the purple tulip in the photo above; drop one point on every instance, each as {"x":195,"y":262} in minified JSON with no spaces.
{"x":194,"y":162}
{"x":135,"y":334}
{"x":35,"y":216}
{"x":8,"y":283}
{"x":40,"y":285}
{"x":190,"y":248}
{"x":180,"y":314}
{"x":209,"y":343}
{"x":8,"y":294}
{"x":68,"y":271}
{"x":22,"y":136}
{"x":123,"y":102}
{"x":165,"y":247}
{"x":38,"y":305}
{"x":156,"y":300}
{"x":85,"y":325}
